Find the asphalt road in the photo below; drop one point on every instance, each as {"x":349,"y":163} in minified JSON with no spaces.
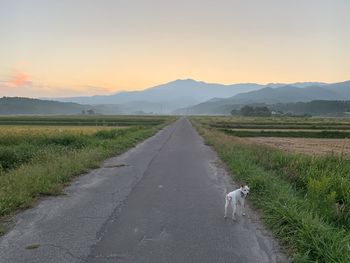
{"x":162,"y":201}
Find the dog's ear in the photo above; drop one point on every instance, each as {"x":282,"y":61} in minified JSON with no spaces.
{"x":242,"y":186}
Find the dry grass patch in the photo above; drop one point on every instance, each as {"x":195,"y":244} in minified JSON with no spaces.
{"x":310,"y":146}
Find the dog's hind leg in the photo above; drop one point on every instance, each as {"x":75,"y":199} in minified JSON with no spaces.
{"x":234,"y":205}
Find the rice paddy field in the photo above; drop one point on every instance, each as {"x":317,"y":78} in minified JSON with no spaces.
{"x":93,"y":120}
{"x":312,"y":136}
{"x":299,"y":173}
{"x":40,"y":155}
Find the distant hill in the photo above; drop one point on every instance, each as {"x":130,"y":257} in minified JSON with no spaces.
{"x":286,"y":94}
{"x":296,"y":84}
{"x":22,"y":106}
{"x":167,"y":97}
{"x":315,"y":108}
{"x":268,"y":95}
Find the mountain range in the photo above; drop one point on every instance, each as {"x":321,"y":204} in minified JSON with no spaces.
{"x":176,"y":94}
{"x":182,"y":97}
{"x":268,"y":95}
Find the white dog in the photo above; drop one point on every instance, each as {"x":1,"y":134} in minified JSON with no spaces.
{"x":236,"y":197}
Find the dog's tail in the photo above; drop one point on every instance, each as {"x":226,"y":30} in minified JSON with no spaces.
{"x":228,"y":198}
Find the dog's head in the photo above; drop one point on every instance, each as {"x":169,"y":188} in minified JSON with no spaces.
{"x":245,"y":189}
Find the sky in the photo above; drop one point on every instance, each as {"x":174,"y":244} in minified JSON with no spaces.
{"x":62,"y":48}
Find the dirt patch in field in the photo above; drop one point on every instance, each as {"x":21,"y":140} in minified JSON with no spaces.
{"x":308,"y":146}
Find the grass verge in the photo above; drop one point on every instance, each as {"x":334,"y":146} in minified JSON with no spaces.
{"x":294,"y":216}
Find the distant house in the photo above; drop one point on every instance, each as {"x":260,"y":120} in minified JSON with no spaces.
{"x":277,"y":113}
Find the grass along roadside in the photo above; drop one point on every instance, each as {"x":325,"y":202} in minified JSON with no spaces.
{"x":59,"y":159}
{"x":302,"y":209}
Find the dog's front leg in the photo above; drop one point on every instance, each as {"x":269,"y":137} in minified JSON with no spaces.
{"x":242,"y":207}
{"x":226,"y":207}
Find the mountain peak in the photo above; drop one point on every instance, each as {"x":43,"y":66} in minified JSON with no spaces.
{"x":185,"y":80}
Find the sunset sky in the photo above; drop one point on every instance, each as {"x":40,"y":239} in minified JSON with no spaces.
{"x":84,"y":47}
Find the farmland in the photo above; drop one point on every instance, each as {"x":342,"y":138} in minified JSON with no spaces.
{"x":304,"y":198}
{"x":282,"y":127}
{"x":309,"y":146}
{"x":39,"y":155}
{"x":72,"y":120}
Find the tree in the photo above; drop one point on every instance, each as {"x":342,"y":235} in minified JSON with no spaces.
{"x":262,"y":111}
{"x":234,"y":112}
{"x":255,"y":111}
{"x":90,"y":112}
{"x":247,"y":110}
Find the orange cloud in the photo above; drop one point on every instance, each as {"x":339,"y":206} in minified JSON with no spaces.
{"x":19,"y":79}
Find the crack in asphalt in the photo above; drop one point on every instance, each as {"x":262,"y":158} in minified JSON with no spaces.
{"x":118,"y":209}
{"x":116,"y":256}
{"x":64,"y":249}
{"x":91,"y":217}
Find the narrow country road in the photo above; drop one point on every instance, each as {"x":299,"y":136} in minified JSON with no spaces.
{"x":162,"y":201}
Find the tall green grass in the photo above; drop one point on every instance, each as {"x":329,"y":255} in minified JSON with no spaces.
{"x":324,"y":180}
{"x":304,"y":200}
{"x":47,"y":175}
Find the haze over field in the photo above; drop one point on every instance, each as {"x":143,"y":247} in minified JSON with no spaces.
{"x":196,"y":97}
{"x":87,"y":47}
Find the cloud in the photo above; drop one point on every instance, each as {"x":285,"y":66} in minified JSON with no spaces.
{"x":19,"y":79}
{"x":21,"y":84}
{"x":16,"y":84}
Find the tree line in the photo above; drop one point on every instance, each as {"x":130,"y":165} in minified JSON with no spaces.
{"x":312,"y":108}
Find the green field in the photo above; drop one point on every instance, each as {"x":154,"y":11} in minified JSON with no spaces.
{"x":280,"y":127}
{"x":38,"y":159}
{"x":287,"y":133}
{"x":305,"y":200}
{"x":82,"y":120}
